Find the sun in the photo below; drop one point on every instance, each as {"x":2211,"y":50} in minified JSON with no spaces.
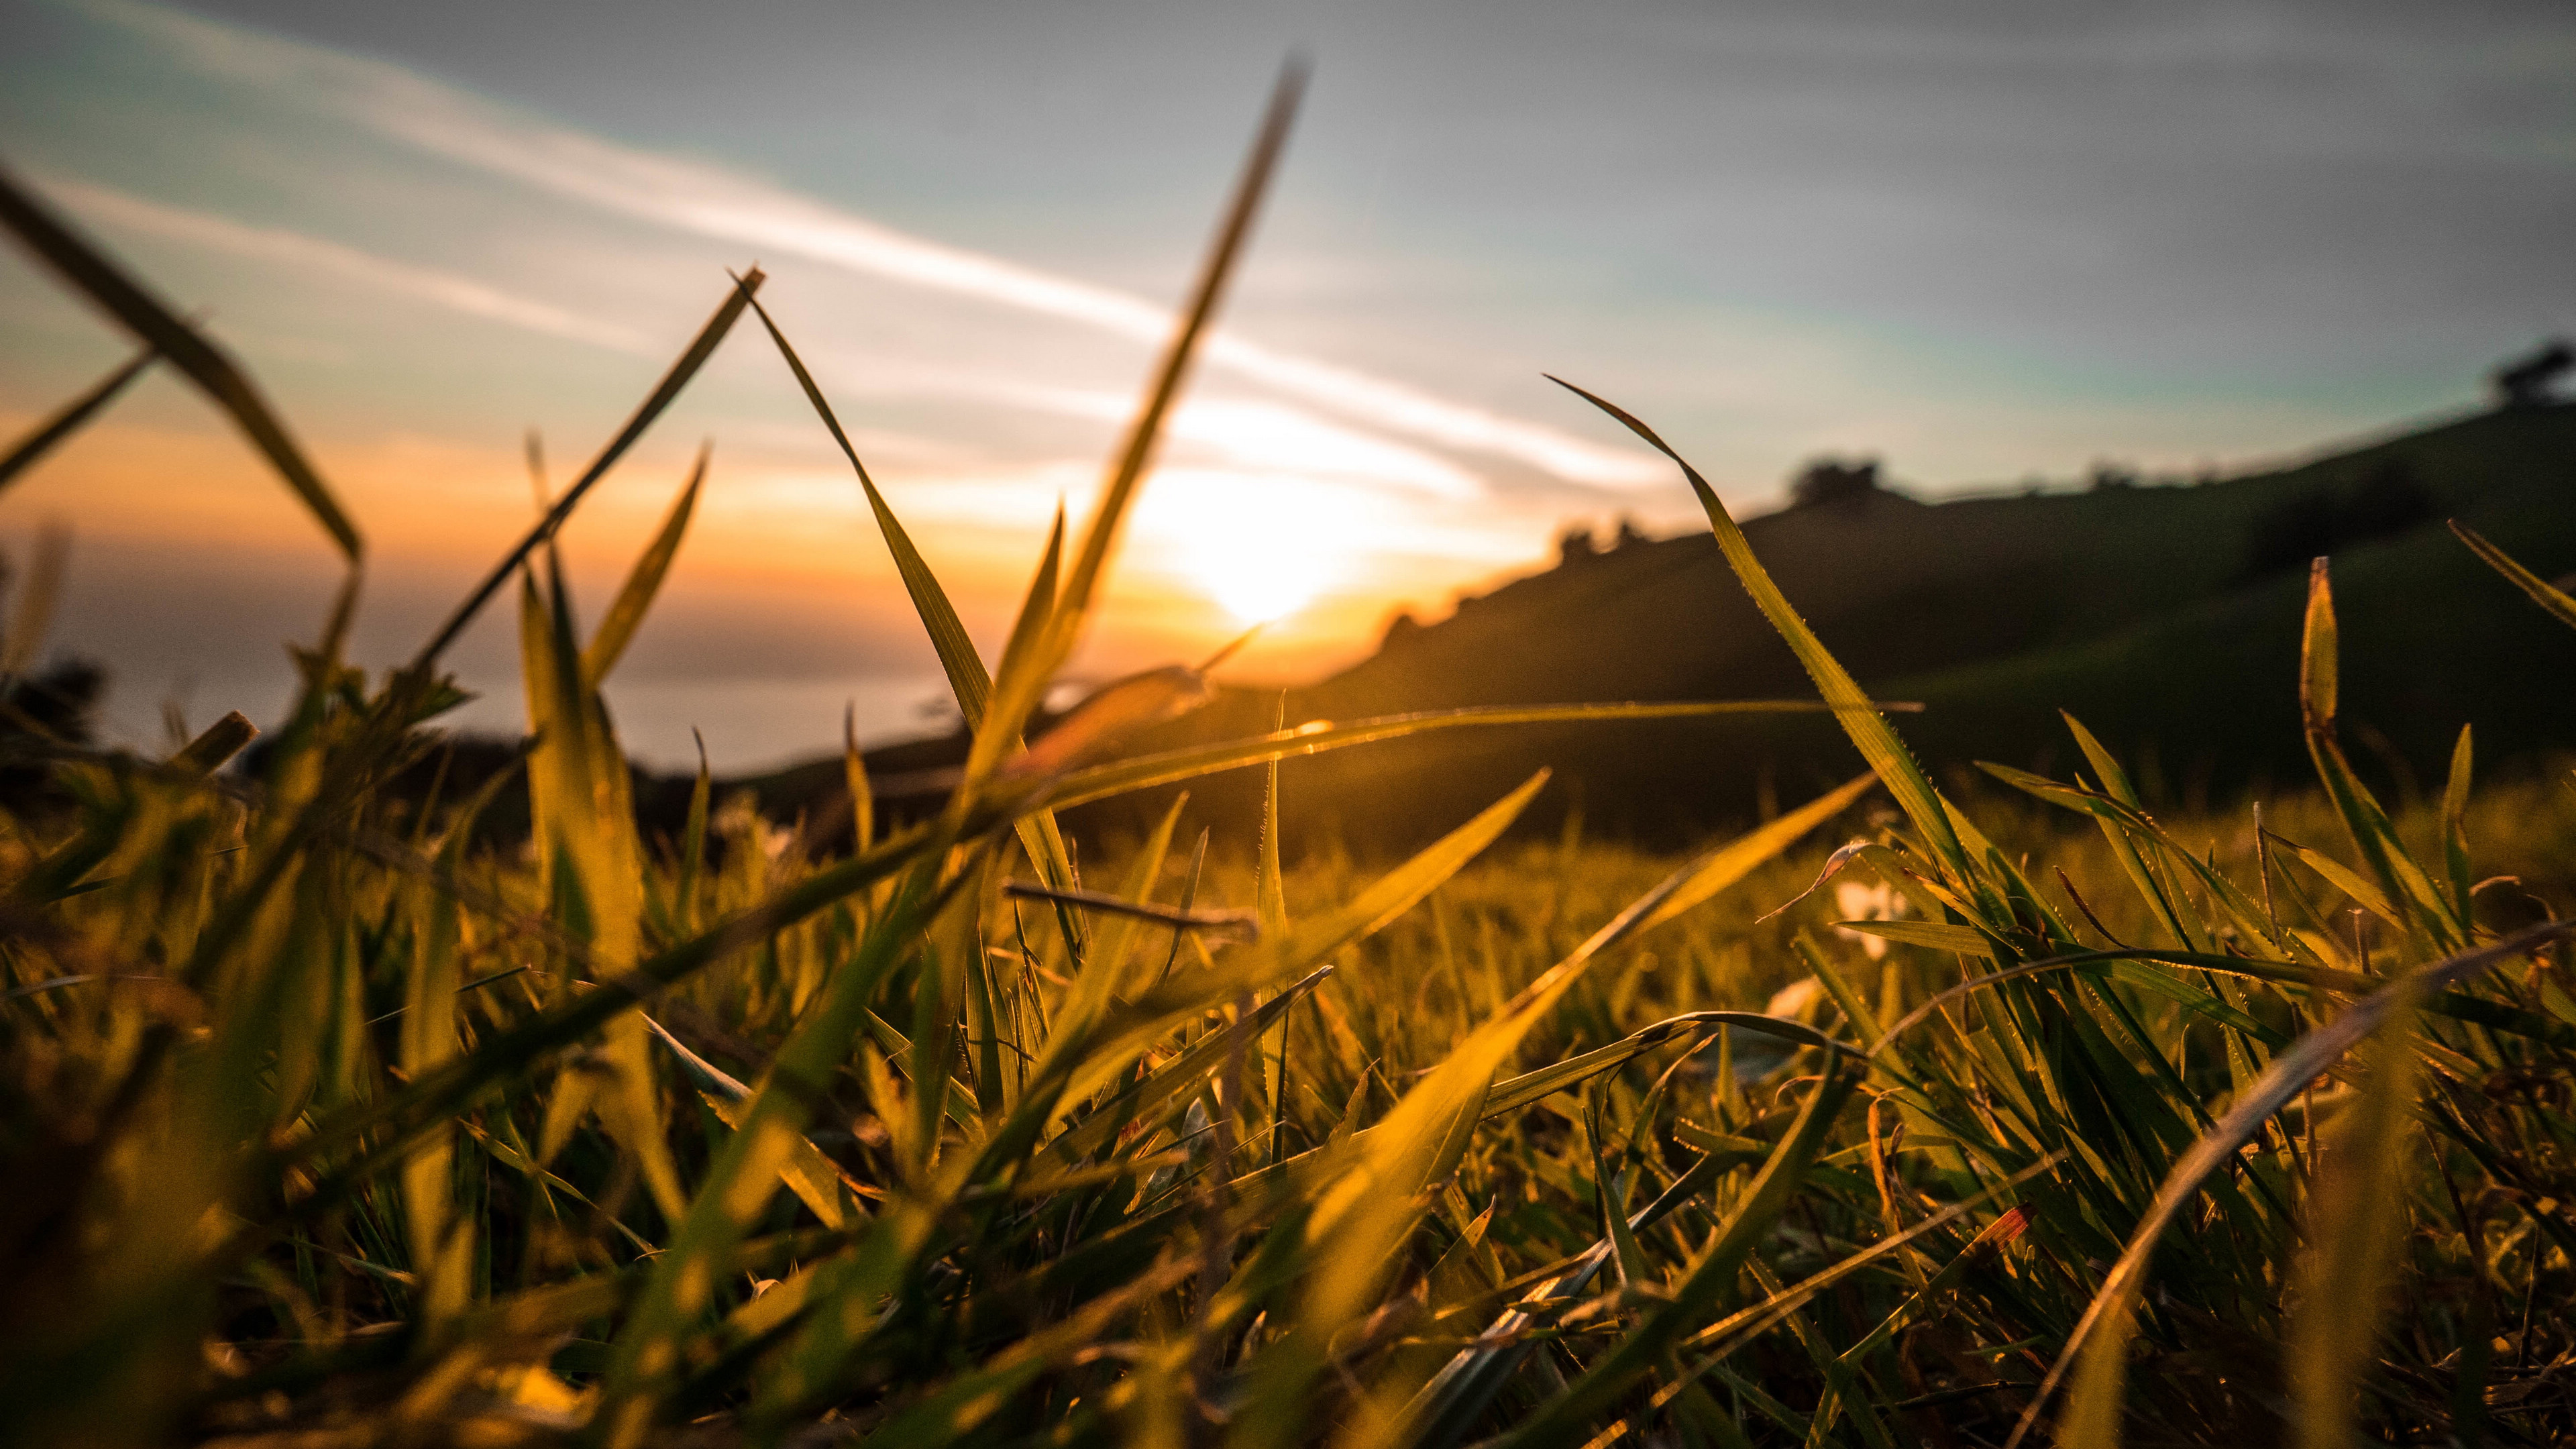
{"x":1258,"y":582}
{"x":1261,"y":549}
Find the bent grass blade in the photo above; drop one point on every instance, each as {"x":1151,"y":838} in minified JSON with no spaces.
{"x":73,"y":416}
{"x":1144,"y":772}
{"x":674,"y":381}
{"x":88,"y":269}
{"x":2096,"y":1347}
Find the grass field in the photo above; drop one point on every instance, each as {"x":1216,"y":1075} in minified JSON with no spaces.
{"x":2042,"y":1119}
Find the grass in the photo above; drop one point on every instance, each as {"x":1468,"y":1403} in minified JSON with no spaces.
{"x":2023,"y":1113}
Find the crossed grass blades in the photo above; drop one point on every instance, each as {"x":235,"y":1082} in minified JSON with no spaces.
{"x":323,"y":1128}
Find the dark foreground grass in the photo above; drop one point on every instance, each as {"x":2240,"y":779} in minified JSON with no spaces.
{"x":2036,"y":1115}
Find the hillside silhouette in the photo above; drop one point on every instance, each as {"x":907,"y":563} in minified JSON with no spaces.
{"x":2166,"y":617}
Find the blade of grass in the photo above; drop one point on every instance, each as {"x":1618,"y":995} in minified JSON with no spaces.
{"x":1022,"y":693}
{"x":1739,"y":858}
{"x":1869,"y":730}
{"x":88,"y":269}
{"x":664,"y":393}
{"x":2455,"y":834}
{"x":1144,"y":772}
{"x":2540,"y":590}
{"x":967,"y":678}
{"x":73,"y":417}
{"x":643,"y":581}
{"x":2356,"y":1230}
{"x":2415,"y":906}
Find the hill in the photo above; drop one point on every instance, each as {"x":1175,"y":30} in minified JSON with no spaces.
{"x":2165,"y":617}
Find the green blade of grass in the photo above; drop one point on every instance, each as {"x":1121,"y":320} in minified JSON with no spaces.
{"x":157,"y":327}
{"x":2414,"y":905}
{"x":1737,"y":859}
{"x":1930,"y":935}
{"x":673,"y":383}
{"x":596,"y":865}
{"x":2540,"y":590}
{"x":1514,"y":1093}
{"x":1022,"y":692}
{"x":626,"y":614}
{"x":73,"y":416}
{"x":1144,"y":772}
{"x":2455,"y":835}
{"x":967,"y":678}
{"x":1869,"y":730}
{"x":2357,"y":1230}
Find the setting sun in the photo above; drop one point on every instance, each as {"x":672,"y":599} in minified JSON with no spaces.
{"x":1257,"y":577}
{"x":1260,"y":547}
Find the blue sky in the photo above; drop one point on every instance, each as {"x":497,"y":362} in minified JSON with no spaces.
{"x":1987,"y":242}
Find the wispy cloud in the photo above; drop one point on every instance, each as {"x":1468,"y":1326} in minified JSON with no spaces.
{"x":100,"y":204}
{"x":1254,"y":432}
{"x":705,"y":200}
{"x":1251,"y":432}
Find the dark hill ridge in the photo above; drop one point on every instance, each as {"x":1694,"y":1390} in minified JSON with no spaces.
{"x":2166,"y":617}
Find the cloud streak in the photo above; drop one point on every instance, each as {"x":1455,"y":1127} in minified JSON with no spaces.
{"x":284,"y":248}
{"x":706,"y":201}
{"x":1257,"y":433}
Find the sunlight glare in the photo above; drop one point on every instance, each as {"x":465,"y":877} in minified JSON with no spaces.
{"x":1259,"y":547}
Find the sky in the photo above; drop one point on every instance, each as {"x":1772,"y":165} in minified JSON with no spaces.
{"x":1991,"y":244}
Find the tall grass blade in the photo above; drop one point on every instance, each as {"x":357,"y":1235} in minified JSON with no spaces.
{"x":2541,"y":591}
{"x":88,"y":269}
{"x":1100,"y":533}
{"x":2413,"y":904}
{"x":2455,"y":831}
{"x":1144,"y":772}
{"x":73,"y":416}
{"x":2356,"y":1229}
{"x":643,"y":581}
{"x":665,"y":392}
{"x":1737,"y":859}
{"x":967,"y":678}
{"x":1877,"y":740}
{"x":31,"y":614}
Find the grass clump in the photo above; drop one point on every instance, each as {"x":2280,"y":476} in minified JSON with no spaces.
{"x":326,"y":1128}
